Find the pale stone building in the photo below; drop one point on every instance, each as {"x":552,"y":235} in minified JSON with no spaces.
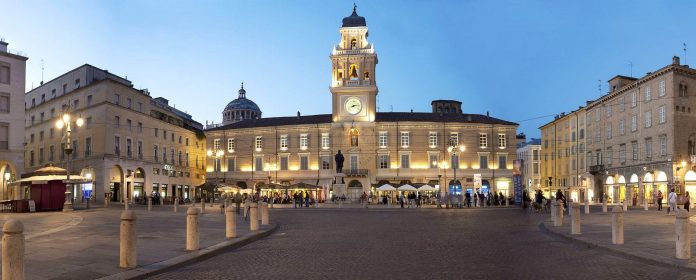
{"x":530,"y":155}
{"x":379,"y":147}
{"x":563,"y":163}
{"x":130,"y":142}
{"x":12,"y":83}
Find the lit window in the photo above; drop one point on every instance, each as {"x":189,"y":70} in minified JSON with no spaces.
{"x":405,"y":140}
{"x":258,"y":143}
{"x":382,"y":139}
{"x":483,"y":140}
{"x":216,"y":144}
{"x":304,"y":141}
{"x":432,"y":139}
{"x":383,"y":161}
{"x":325,"y":144}
{"x":502,"y":143}
{"x":230,"y":144}
{"x":283,"y":142}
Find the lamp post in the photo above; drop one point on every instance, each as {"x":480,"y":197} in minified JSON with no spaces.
{"x":7,"y":180}
{"x":215,"y":155}
{"x":454,"y":149}
{"x":64,"y":122}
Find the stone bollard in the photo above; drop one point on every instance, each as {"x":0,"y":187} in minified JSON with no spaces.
{"x":149,"y":203}
{"x":625,"y":205}
{"x":559,"y":214}
{"x":604,"y":206}
{"x":253,"y":216}
{"x":683,"y":234}
{"x":617,"y":226}
{"x":106,"y":202}
{"x":192,"y":229}
{"x":553,"y":212}
{"x":587,"y":206}
{"x":264,"y":213}
{"x":645,"y":204}
{"x":176,"y":205}
{"x":127,"y":248}
{"x":13,"y":250}
{"x":125,"y":204}
{"x":570,"y":208}
{"x":575,"y":219}
{"x":230,"y":223}
{"x":202,"y":206}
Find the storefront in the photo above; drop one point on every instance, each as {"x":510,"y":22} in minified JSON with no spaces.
{"x":690,"y":183}
{"x":649,"y":190}
{"x":610,"y":189}
{"x":633,"y":190}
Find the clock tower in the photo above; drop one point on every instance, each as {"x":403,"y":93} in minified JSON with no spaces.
{"x":353,"y":61}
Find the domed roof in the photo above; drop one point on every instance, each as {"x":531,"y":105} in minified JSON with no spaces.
{"x":242,"y":103}
{"x":354,"y":20}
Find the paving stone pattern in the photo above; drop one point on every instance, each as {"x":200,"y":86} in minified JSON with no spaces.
{"x":417,"y":244}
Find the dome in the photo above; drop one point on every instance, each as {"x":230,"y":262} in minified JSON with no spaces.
{"x":354,"y":20}
{"x":243,"y":104}
{"x":240,"y":109}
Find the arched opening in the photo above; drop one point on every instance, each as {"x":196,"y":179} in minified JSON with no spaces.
{"x":116,"y":185}
{"x":690,"y":182}
{"x":366,"y":76}
{"x":355,"y":189}
{"x":661,"y":182}
{"x":609,"y":189}
{"x":353,"y":43}
{"x":7,"y":175}
{"x":139,"y":184}
{"x":87,"y":190}
{"x":633,"y":190}
{"x":353,"y":72}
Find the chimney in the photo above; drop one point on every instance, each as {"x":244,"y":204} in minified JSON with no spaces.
{"x":675,"y":60}
{"x":298,"y":114}
{"x":487,"y":114}
{"x":3,"y":45}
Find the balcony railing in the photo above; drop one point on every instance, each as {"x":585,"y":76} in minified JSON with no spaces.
{"x":351,"y":83}
{"x":355,"y":172}
{"x":594,"y":169}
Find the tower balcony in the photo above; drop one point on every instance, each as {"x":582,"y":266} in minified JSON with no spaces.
{"x":368,"y":50}
{"x":351,"y":83}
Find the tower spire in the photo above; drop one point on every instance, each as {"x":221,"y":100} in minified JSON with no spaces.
{"x":242,"y":91}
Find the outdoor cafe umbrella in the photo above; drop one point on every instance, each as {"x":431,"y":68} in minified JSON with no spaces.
{"x":407,"y":187}
{"x":386,"y":187}
{"x":426,"y":188}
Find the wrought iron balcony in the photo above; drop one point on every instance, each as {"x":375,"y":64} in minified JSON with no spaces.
{"x":355,"y":172}
{"x":596,"y":169}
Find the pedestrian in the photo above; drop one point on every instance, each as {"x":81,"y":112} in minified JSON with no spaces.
{"x":659,"y":200}
{"x":502,"y":199}
{"x":468,"y":199}
{"x":687,"y":201}
{"x":672,"y":200}
{"x":401,"y":200}
{"x":247,"y":206}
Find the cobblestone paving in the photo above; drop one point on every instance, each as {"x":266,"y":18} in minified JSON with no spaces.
{"x":415,"y":244}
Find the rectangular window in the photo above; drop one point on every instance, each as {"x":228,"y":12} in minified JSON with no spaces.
{"x":535,"y":154}
{"x":598,"y":113}
{"x":325,"y":162}
{"x":622,"y":103}
{"x":434,"y":160}
{"x":622,"y":153}
{"x":648,"y":118}
{"x":634,"y":100}
{"x":383,"y":139}
{"x":4,"y":103}
{"x":622,"y":128}
{"x":634,"y":150}
{"x":535,"y":167}
{"x":502,"y":161}
{"x":581,"y":134}
{"x":139,"y":149}
{"x":432,"y":139}
{"x":383,"y":161}
{"x":156,"y":132}
{"x":609,"y":111}
{"x":117,"y":99}
{"x":284,"y":162}
{"x":661,"y":113}
{"x":51,"y":152}
{"x":117,"y":121}
{"x":610,"y":155}
{"x":31,"y":158}
{"x":304,"y":162}
{"x":156,"y":153}
{"x":304,"y":141}
{"x":283,"y":142}
{"x":354,"y":162}
{"x":231,"y":164}
{"x":648,"y":94}
{"x":164,"y":154}
{"x":258,"y":164}
{"x":258,"y":143}
{"x":483,"y":161}
{"x":76,"y":149}
{"x":4,"y":74}
{"x":454,"y":139}
{"x":325,"y":144}
{"x":216,"y":145}
{"x":62,"y":151}
{"x":129,"y":102}
{"x":663,"y":145}
{"x":634,"y":123}
{"x":598,"y":135}
{"x":483,"y":140}
{"x":502,"y":143}
{"x":608,"y":134}
{"x":129,"y":124}
{"x":41,"y":156}
{"x":230,"y":145}
{"x":88,"y":146}
{"x":406,"y":161}
{"x":648,"y":148}
{"x":662,"y":90}
{"x":140,"y":127}
{"x":129,"y":146}
{"x":405,"y":140}
{"x":117,"y":145}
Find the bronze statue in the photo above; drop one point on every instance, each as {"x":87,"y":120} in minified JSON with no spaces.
{"x":339,"y":162}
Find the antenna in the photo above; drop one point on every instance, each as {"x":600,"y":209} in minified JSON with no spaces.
{"x":630,"y":63}
{"x":42,"y":71}
{"x":684,"y":44}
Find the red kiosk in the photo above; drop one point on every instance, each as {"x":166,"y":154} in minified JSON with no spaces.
{"x":47,"y":187}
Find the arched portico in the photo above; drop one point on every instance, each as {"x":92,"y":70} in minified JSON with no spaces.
{"x":8,"y":173}
{"x":609,"y":189}
{"x":690,"y":183}
{"x":633,"y":189}
{"x":116,"y":183}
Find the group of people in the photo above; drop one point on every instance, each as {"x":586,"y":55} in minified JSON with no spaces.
{"x":479,"y":199}
{"x":672,"y":200}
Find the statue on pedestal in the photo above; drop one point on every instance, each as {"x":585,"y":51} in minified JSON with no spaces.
{"x":339,"y":162}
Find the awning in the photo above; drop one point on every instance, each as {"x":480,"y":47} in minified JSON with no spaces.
{"x":386,"y":187}
{"x":426,"y":188}
{"x":42,"y":179}
{"x":407,"y":187}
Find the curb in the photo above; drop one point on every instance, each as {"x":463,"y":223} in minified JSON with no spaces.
{"x":144,"y":272}
{"x":647,"y":259}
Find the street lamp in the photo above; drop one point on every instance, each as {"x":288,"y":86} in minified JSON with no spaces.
{"x":455,"y":149}
{"x":64,"y":122}
{"x":216,"y":156}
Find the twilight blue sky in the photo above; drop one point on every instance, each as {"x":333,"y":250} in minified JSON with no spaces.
{"x":520,"y":60}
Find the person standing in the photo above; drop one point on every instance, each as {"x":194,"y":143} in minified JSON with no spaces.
{"x":687,"y":201}
{"x":659,"y":200}
{"x":468,"y":200}
{"x":247,"y":206}
{"x":672,"y":200}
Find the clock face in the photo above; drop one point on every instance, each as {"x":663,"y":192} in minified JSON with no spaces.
{"x":353,"y":105}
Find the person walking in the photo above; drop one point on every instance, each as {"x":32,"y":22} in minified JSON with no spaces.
{"x":247,"y":206}
{"x":468,"y":200}
{"x":687,"y":202}
{"x":672,"y":200}
{"x":659,"y":200}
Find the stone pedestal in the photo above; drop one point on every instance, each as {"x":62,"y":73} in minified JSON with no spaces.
{"x":13,"y":250}
{"x":192,"y":243}
{"x":339,"y":185}
{"x":230,"y":223}
{"x":253,"y":217}
{"x":67,"y":206}
{"x":682,"y":234}
{"x":604,"y":206}
{"x":264,"y":213}
{"x":575,"y":219}
{"x":587,"y":206}
{"x":149,"y":203}
{"x":127,"y":247}
{"x":559,"y":214}
{"x":617,"y":225}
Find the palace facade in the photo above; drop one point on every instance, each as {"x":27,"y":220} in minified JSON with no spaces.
{"x":249,"y":151}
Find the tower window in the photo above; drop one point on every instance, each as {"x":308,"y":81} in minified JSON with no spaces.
{"x":367,"y":75}
{"x":339,"y":76}
{"x":353,"y":44}
{"x":353,"y":71}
